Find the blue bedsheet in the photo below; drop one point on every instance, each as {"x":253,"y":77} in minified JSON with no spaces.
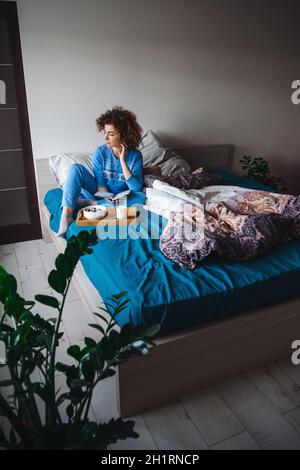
{"x":161,"y":291}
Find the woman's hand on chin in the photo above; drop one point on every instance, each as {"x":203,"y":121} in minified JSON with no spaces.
{"x":123,"y":152}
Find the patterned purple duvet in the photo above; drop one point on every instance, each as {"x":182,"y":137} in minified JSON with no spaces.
{"x":242,"y":227}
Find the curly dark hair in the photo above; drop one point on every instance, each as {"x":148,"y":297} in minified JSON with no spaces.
{"x":126,"y":123}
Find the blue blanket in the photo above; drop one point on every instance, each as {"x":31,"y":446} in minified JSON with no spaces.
{"x":161,"y":291}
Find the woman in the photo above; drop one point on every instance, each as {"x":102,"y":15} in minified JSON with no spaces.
{"x":117,"y":165}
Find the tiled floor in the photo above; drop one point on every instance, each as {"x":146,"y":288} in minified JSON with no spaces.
{"x":259,"y":410}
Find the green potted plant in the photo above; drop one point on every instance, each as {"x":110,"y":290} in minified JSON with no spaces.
{"x":259,"y":170}
{"x":31,"y":368}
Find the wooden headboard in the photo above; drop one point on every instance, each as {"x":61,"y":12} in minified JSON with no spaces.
{"x":211,"y":157}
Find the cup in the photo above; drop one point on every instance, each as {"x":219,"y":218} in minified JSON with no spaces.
{"x":121,"y":208}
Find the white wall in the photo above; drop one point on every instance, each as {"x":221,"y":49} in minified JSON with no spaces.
{"x":195,"y":71}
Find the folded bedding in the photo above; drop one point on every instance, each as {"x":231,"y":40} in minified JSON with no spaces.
{"x":163,"y":291}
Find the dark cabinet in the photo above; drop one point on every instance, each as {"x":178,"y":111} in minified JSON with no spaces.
{"x":19,"y":213}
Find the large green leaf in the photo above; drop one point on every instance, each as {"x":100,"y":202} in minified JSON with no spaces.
{"x":3,"y":274}
{"x":101,"y":316}
{"x":27,"y":369}
{"x":90,"y":342}
{"x":97,"y":327}
{"x":119,"y":296}
{"x":47,"y":300}
{"x":73,"y":251}
{"x":106,"y":347}
{"x":79,"y":383}
{"x":57,"y":281}
{"x":114,"y":339}
{"x":64,"y":265}
{"x":83,"y":238}
{"x":125,"y":335}
{"x":74,"y":351}
{"x":46,"y":341}
{"x":9,"y":285}
{"x":88,"y":370}
{"x":14,"y":306}
{"x":107,"y":373}
{"x":97,"y":360}
{"x":67,"y":369}
{"x":93,"y":237}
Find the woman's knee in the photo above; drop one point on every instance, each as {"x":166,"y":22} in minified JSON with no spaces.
{"x":76,"y":169}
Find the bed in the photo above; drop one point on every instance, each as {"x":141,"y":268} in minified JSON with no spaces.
{"x":217,"y":321}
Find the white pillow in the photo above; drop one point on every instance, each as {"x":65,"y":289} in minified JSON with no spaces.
{"x":59,"y":164}
{"x":155,"y":153}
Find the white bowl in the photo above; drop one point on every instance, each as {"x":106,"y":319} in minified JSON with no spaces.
{"x":94,"y":212}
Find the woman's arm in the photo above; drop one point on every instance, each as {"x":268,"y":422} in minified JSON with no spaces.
{"x":133,"y":177}
{"x":98,"y":170}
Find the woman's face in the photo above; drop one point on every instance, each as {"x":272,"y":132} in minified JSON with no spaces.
{"x":112,"y":136}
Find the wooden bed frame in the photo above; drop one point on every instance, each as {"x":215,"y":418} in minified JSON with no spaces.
{"x":189,"y":360}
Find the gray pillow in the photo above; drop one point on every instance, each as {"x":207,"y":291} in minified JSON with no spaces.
{"x":175,"y":166}
{"x":152,"y":150}
{"x":155,"y":153}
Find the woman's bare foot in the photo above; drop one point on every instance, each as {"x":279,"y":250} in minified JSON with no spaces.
{"x":65,"y":221}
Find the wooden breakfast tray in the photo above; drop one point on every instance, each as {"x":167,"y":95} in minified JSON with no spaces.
{"x":110,"y":218}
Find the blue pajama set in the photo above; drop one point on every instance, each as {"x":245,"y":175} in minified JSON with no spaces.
{"x":108,"y":173}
